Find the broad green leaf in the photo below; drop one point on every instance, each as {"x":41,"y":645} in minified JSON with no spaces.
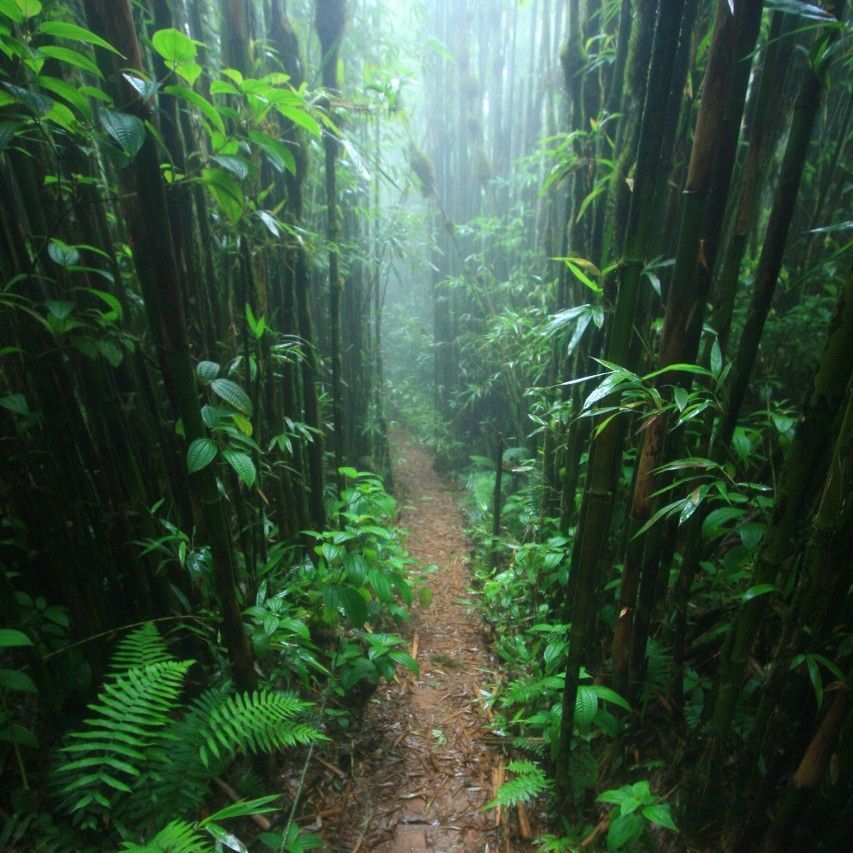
{"x":233,"y":394}
{"x":73,"y":32}
{"x":242,"y":464}
{"x":234,"y":165}
{"x":70,"y":57}
{"x":245,"y":808}
{"x":659,"y":814}
{"x":190,"y":71}
{"x":66,"y":91}
{"x":10,"y":638}
{"x":353,"y":604}
{"x":146,"y":88}
{"x":718,"y":517}
{"x":404,"y":659}
{"x":200,"y":454}
{"x":11,"y":10}
{"x":280,"y":155}
{"x":624,"y":829}
{"x":270,"y":222}
{"x":16,"y":403}
{"x":300,"y":117}
{"x":20,"y":682}
{"x":29,"y":8}
{"x":173,"y":46}
{"x":716,"y":357}
{"x":227,"y":193}
{"x":242,"y":423}
{"x":126,"y":129}
{"x":62,"y":254}
{"x":207,"y":371}
{"x":586,"y":706}
{"x":609,"y":695}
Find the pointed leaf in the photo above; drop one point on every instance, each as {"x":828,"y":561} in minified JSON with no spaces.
{"x":200,"y":454}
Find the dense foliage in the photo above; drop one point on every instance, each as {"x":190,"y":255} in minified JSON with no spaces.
{"x":594,"y":253}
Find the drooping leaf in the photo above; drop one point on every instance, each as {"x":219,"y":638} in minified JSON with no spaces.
{"x":227,"y":193}
{"x":126,"y":129}
{"x":233,"y":394}
{"x":70,"y":57}
{"x":659,"y":813}
{"x":73,"y":32}
{"x":242,"y":464}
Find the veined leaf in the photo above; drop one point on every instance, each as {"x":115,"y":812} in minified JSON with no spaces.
{"x":242,"y":464}
{"x":200,"y":454}
{"x":207,"y":371}
{"x":126,"y":129}
{"x":233,"y":394}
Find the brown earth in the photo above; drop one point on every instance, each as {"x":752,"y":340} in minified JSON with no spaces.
{"x":420,"y":771}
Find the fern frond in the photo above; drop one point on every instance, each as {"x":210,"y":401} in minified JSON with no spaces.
{"x":131,"y":713}
{"x":141,"y":647}
{"x":179,"y":836}
{"x":255,"y":722}
{"x":529,"y":782}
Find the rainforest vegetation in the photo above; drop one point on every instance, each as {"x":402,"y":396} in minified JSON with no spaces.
{"x":263,"y":263}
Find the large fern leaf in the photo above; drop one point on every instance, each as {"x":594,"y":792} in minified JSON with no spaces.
{"x":179,"y":836}
{"x":262,"y":721}
{"x":141,"y":647}
{"x":109,"y":755}
{"x":528,"y":782}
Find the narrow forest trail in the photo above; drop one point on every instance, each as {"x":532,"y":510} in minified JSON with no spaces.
{"x":421,"y":772}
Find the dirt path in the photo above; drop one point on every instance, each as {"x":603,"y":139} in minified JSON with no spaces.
{"x":420,"y":773}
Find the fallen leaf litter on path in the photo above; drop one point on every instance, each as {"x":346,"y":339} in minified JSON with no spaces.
{"x":420,"y":770}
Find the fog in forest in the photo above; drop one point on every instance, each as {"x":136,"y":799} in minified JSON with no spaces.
{"x":425,"y":425}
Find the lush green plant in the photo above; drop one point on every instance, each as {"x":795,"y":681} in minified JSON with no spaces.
{"x":135,"y":765}
{"x":639,"y":809}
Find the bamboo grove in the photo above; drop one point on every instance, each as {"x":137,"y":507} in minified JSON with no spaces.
{"x":594,"y":253}
{"x":611,"y":325}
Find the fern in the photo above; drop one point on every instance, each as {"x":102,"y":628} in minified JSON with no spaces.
{"x":141,"y":647}
{"x":529,"y":782}
{"x":257,"y":722}
{"x":179,"y":836}
{"x":131,"y":713}
{"x":135,"y":764}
